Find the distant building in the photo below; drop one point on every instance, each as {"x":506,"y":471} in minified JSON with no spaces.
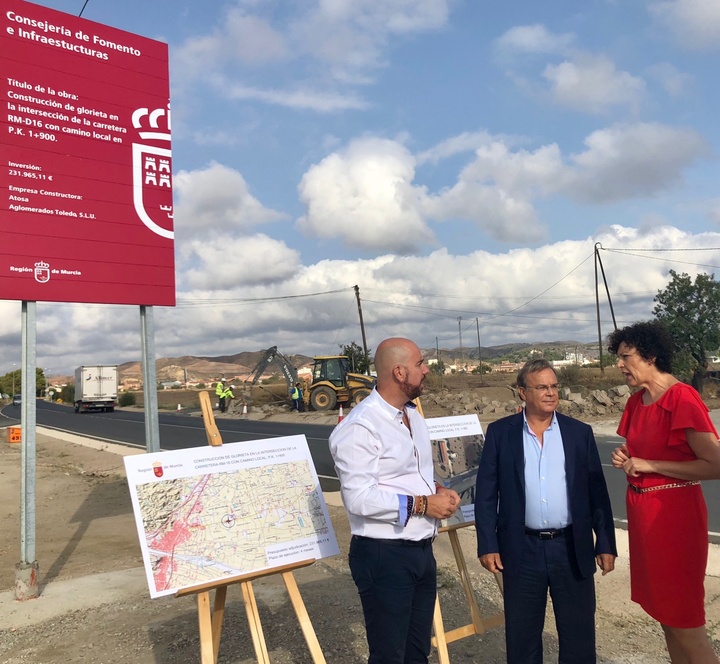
{"x":508,"y":367}
{"x":170,"y":384}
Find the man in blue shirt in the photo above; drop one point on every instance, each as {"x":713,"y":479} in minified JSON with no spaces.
{"x":540,"y":496}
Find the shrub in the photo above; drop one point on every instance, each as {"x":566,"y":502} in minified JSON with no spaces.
{"x":569,"y":375}
{"x":127,"y":399}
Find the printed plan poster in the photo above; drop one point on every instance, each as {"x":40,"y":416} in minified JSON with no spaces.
{"x":207,"y":513}
{"x":457,"y":443}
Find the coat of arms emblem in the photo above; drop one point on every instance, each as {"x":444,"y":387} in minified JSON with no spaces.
{"x":158,"y":469}
{"x":152,"y":172}
{"x":42,"y":272}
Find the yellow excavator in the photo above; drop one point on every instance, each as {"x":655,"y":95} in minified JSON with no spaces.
{"x":333,"y":382}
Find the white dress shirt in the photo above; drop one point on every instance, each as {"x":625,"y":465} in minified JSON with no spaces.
{"x":380,"y":462}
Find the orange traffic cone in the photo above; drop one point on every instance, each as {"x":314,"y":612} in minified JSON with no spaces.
{"x":340,"y":415}
{"x":179,"y":410}
{"x":244,"y":415}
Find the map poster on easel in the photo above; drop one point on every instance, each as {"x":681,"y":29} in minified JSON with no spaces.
{"x":208,"y":513}
{"x":457,"y":443}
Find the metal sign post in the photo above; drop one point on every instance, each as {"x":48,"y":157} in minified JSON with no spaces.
{"x":26,"y":571}
{"x":147,"y":334}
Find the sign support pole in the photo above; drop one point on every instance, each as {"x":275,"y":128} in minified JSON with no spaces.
{"x":147,"y":335}
{"x":26,"y":571}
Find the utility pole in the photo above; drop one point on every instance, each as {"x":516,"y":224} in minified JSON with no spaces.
{"x":440,"y":366}
{"x":460,"y":335}
{"x":362,"y":329}
{"x":597,"y":310}
{"x":598,"y":261}
{"x":477,"y":325}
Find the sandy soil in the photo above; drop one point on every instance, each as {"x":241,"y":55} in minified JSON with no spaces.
{"x":94,"y":605}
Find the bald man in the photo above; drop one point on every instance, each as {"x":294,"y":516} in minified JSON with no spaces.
{"x":383,"y":458}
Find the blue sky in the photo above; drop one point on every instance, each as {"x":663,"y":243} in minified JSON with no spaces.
{"x":453,"y":158}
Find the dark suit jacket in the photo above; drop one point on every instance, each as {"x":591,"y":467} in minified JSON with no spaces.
{"x":500,"y":494}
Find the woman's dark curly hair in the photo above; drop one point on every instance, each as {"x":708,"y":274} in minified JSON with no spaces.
{"x":650,"y":339}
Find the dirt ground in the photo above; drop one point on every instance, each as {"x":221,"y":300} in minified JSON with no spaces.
{"x":95,"y":607}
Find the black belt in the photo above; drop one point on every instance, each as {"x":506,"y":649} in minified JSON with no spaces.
{"x":397,"y":542}
{"x":549,"y":533}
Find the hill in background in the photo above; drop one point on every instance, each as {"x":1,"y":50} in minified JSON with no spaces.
{"x":240,"y":366}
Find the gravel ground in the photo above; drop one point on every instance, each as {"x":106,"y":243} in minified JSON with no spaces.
{"x":95,"y":607}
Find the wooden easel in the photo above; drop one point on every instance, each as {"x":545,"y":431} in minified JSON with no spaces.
{"x":479,"y":625}
{"x":210,"y":619}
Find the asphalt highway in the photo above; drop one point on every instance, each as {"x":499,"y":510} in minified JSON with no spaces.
{"x":183,"y":430}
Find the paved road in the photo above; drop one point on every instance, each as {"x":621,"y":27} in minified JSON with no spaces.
{"x":179,"y":431}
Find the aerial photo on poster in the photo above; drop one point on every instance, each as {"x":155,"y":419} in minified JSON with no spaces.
{"x":457,"y":442}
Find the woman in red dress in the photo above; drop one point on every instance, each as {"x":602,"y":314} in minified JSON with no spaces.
{"x":671,"y":444}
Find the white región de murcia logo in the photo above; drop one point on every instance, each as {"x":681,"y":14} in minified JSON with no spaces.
{"x":152,"y":170}
{"x":42,"y":272}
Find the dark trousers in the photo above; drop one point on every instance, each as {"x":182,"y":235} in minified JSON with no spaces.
{"x":397,"y":586}
{"x":221,"y":404}
{"x":549,"y":564}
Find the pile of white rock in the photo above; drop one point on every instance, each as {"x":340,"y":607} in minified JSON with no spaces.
{"x":574,"y":403}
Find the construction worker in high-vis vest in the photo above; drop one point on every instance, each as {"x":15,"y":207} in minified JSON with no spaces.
{"x":296,"y":396}
{"x":227,"y":395}
{"x":219,"y":389}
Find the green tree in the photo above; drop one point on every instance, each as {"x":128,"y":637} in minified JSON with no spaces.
{"x":12,"y":382}
{"x":359,"y":363}
{"x":691,"y":312}
{"x":67,"y":393}
{"x":437,"y":367}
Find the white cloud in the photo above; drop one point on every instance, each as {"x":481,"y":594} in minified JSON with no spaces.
{"x":497,"y":189}
{"x":351,"y":36}
{"x":419,"y":296}
{"x":695,"y":23}
{"x":465,"y":142}
{"x":215,"y":198}
{"x":591,"y":83}
{"x":302,"y":99}
{"x":675,"y":82}
{"x":336,"y":43}
{"x":240,"y":39}
{"x":226,"y":262}
{"x":626,"y":161}
{"x":364,"y":195}
{"x":534,"y":39}
{"x":582,"y":81}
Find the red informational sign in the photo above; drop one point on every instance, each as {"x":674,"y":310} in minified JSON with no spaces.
{"x":85,"y":169}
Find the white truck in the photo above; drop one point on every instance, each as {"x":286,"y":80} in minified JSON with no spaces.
{"x":96,"y":388}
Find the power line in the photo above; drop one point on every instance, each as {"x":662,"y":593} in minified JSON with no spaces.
{"x":631,"y":252}
{"x":83,"y":8}
{"x":213,"y":302}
